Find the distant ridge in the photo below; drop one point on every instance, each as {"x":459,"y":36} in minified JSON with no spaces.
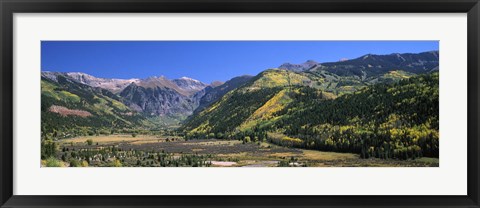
{"x":371,"y":64}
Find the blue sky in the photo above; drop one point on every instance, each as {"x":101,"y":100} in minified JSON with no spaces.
{"x":206,"y":61}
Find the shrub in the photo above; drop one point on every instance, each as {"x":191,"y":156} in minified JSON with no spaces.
{"x":74,"y":163}
{"x":52,"y":162}
{"x":246,"y":139}
{"x":117,"y":163}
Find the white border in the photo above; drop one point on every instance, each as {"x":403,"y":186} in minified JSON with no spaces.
{"x":448,"y":179}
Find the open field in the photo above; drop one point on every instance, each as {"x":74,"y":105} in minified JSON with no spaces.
{"x":168,"y":151}
{"x":114,"y":139}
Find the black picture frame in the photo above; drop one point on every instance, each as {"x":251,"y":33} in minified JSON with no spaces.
{"x":9,"y":7}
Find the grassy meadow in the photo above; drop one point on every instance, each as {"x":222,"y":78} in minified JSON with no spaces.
{"x":170,"y":151}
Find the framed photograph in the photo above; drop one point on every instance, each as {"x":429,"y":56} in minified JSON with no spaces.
{"x":266,"y":103}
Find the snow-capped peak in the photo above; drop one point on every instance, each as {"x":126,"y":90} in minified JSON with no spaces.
{"x":189,"y":79}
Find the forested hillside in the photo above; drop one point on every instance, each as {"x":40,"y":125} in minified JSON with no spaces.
{"x":72,"y":109}
{"x":385,"y":120}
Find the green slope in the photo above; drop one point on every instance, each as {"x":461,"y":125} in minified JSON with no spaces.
{"x":398,"y":120}
{"x":391,"y":119}
{"x":70,"y":109}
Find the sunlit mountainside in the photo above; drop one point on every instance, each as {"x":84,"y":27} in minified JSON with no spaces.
{"x":381,"y":106}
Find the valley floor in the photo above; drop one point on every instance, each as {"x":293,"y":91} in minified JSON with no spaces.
{"x":171,"y":151}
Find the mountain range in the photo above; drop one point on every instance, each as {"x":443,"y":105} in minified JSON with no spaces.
{"x":373,"y":65}
{"x":239,"y":104}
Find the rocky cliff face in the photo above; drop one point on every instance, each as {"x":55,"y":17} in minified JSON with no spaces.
{"x":189,"y":85}
{"x":159,"y":96}
{"x":157,"y":100}
{"x":114,"y":85}
{"x":153,"y":96}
